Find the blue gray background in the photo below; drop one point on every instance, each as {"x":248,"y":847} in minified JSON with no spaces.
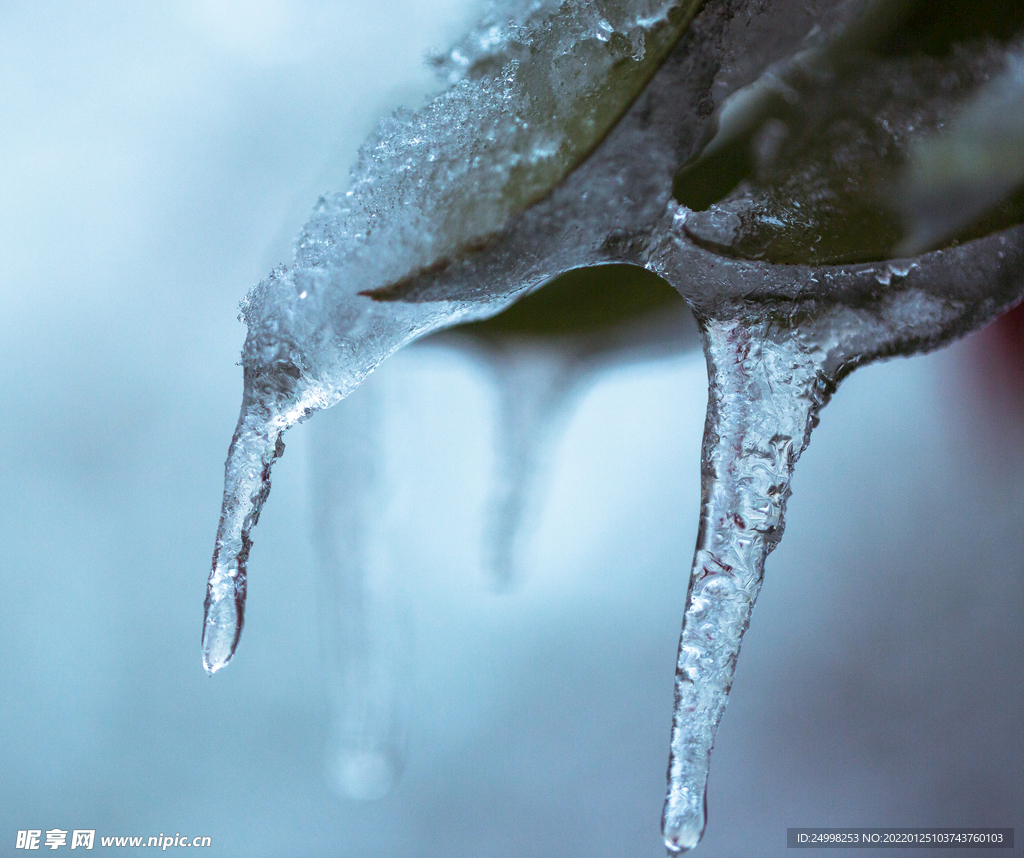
{"x":156,"y":161}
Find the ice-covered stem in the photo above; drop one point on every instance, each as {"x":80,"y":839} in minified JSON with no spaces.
{"x":254,"y":447}
{"x":765,"y":389}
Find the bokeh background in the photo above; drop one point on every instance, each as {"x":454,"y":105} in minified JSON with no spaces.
{"x":155,"y":161}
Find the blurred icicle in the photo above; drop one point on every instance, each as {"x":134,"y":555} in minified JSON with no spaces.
{"x":364,"y":633}
{"x":542,"y":354}
{"x":535,"y":388}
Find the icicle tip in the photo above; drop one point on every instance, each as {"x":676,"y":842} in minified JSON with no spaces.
{"x":684,"y":832}
{"x":222,"y":626}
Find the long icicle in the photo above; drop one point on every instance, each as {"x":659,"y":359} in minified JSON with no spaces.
{"x":765,"y":389}
{"x":254,"y":448}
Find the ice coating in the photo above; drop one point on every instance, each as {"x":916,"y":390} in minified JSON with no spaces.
{"x":836,"y":156}
{"x":794,"y":269}
{"x":529,"y":100}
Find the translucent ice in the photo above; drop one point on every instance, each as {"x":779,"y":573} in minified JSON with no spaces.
{"x":751,"y":159}
{"x":766,"y":388}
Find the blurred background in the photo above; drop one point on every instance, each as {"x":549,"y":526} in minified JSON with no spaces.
{"x":157,"y":161}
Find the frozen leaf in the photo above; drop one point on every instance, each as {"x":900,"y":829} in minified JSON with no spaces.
{"x":432,"y":191}
{"x":582,"y":134}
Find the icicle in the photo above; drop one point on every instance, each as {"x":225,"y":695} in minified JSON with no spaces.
{"x":535,"y":386}
{"x":764,"y":392}
{"x":772,"y":365}
{"x":365,"y":640}
{"x":542,"y":353}
{"x":254,"y":447}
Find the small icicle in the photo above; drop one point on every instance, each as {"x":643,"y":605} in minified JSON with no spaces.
{"x":366,"y":648}
{"x":765,"y":389}
{"x":542,"y":353}
{"x":534,"y":385}
{"x":254,"y":447}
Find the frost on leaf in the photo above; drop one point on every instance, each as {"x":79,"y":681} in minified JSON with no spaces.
{"x":825,"y":182}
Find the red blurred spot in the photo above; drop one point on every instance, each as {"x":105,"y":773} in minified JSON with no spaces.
{"x":998,"y":358}
{"x":1008,"y":342}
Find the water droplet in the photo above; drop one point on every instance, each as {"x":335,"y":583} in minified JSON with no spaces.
{"x":363,"y":775}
